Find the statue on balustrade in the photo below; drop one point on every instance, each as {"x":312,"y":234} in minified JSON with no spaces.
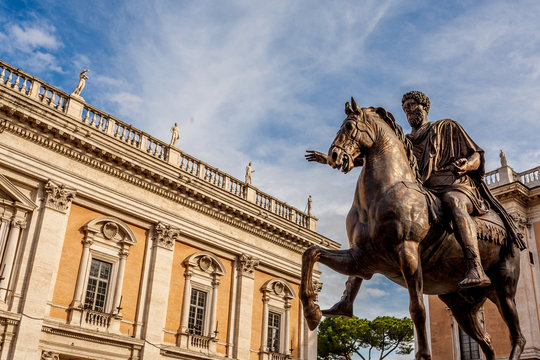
{"x":502,"y":156}
{"x":82,"y":83}
{"x":309,"y":205}
{"x":175,"y":135}
{"x":423,"y":217}
{"x":249,"y":171}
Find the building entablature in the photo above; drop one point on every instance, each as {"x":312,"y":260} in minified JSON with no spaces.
{"x":40,"y":113}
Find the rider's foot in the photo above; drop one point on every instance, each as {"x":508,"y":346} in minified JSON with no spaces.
{"x":341,"y":308}
{"x":475,"y":277}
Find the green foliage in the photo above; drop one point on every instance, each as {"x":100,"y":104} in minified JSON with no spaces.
{"x":339,"y":338}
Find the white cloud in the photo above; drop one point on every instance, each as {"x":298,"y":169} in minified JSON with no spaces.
{"x":27,"y":38}
{"x":34,"y":42}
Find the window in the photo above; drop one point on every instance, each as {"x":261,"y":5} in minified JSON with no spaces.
{"x":203,"y":271}
{"x":468,"y":347}
{"x":197,"y":308}
{"x":274,"y":329}
{"x":106,"y":245}
{"x":277,"y":296}
{"x":98,"y":285}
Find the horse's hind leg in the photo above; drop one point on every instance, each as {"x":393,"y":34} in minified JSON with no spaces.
{"x":343,"y":261}
{"x":503,"y":297}
{"x":344,"y":307}
{"x":466,"y":315}
{"x":411,"y":270}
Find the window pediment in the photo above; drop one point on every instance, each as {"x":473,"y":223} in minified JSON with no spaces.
{"x":205,"y":263}
{"x":111,"y":229}
{"x":10,"y":195}
{"x":278,"y":288}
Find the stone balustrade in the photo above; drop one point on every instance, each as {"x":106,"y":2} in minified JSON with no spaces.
{"x":15,"y":79}
{"x":91,"y":117}
{"x":277,"y":356}
{"x":506,"y":175}
{"x":530,"y":178}
{"x":199,"y":341}
{"x":96,"y":319}
{"x":492,"y":178}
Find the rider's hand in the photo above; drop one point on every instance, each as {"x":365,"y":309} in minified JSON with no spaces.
{"x":460,"y":166}
{"x":313,"y":155}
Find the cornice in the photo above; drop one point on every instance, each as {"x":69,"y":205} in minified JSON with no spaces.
{"x":89,"y":335}
{"x":184,"y":189}
{"x":513,"y":191}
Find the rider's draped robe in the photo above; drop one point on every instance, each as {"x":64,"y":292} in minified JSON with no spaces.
{"x":436,"y":145}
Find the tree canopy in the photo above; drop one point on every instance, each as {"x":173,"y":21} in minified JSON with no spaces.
{"x":340,"y":338}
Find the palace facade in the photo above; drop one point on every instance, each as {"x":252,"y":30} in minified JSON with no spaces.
{"x":116,"y":245}
{"x":519,"y":193}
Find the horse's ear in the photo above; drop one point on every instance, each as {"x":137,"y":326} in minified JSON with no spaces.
{"x":348,"y":109}
{"x":355,"y":106}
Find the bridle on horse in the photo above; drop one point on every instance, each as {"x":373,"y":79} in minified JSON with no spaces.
{"x":355,"y":137}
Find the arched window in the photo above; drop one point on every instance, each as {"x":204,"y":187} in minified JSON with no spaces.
{"x":277,"y":296}
{"x":198,"y":323}
{"x":98,"y":292}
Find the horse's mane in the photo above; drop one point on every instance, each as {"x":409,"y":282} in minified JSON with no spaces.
{"x":407,"y":144}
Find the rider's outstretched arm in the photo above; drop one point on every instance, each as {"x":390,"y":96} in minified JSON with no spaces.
{"x":316,"y":156}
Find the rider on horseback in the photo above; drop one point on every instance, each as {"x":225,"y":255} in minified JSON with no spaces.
{"x":451,"y":166}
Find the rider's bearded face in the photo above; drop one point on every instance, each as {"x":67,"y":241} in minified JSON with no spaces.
{"x":415,"y":113}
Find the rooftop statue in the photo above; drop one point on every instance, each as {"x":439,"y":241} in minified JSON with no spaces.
{"x":502,"y":156}
{"x":249,"y":171}
{"x":82,"y":83}
{"x":423,"y":217}
{"x":175,"y":135}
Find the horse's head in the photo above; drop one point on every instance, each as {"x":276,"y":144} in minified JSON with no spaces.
{"x":354,"y":137}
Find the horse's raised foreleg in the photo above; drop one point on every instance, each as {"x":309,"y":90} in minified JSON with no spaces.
{"x":343,"y":261}
{"x":411,"y":270}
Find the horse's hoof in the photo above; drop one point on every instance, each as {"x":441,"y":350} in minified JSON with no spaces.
{"x":313,"y":317}
{"x":341,"y":308}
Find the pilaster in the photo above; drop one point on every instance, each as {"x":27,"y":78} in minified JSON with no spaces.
{"x":245,"y":267}
{"x":158,"y":289}
{"x":51,"y":231}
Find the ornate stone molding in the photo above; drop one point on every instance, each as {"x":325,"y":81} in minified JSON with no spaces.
{"x":520,"y":219}
{"x":227,"y":214}
{"x":246,"y":265}
{"x":165,"y":236}
{"x":21,"y":224}
{"x":49,"y":355}
{"x":58,"y":197}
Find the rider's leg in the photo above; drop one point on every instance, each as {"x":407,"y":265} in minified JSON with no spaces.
{"x":461,"y":207}
{"x":344,"y":307}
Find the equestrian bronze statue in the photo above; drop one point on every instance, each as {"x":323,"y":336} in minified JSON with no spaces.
{"x":422,"y":217}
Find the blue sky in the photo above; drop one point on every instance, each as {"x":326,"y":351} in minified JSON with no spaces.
{"x":264,"y":81}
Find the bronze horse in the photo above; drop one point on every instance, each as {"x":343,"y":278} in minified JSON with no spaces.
{"x":390,"y":232}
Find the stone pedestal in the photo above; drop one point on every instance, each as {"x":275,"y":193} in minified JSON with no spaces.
{"x":75,"y":106}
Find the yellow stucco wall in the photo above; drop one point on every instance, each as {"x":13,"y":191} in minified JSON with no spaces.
{"x":69,"y":266}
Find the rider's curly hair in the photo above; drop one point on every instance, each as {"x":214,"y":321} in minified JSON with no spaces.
{"x":420,"y":98}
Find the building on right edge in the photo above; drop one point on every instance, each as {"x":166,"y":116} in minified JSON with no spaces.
{"x":519,"y":193}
